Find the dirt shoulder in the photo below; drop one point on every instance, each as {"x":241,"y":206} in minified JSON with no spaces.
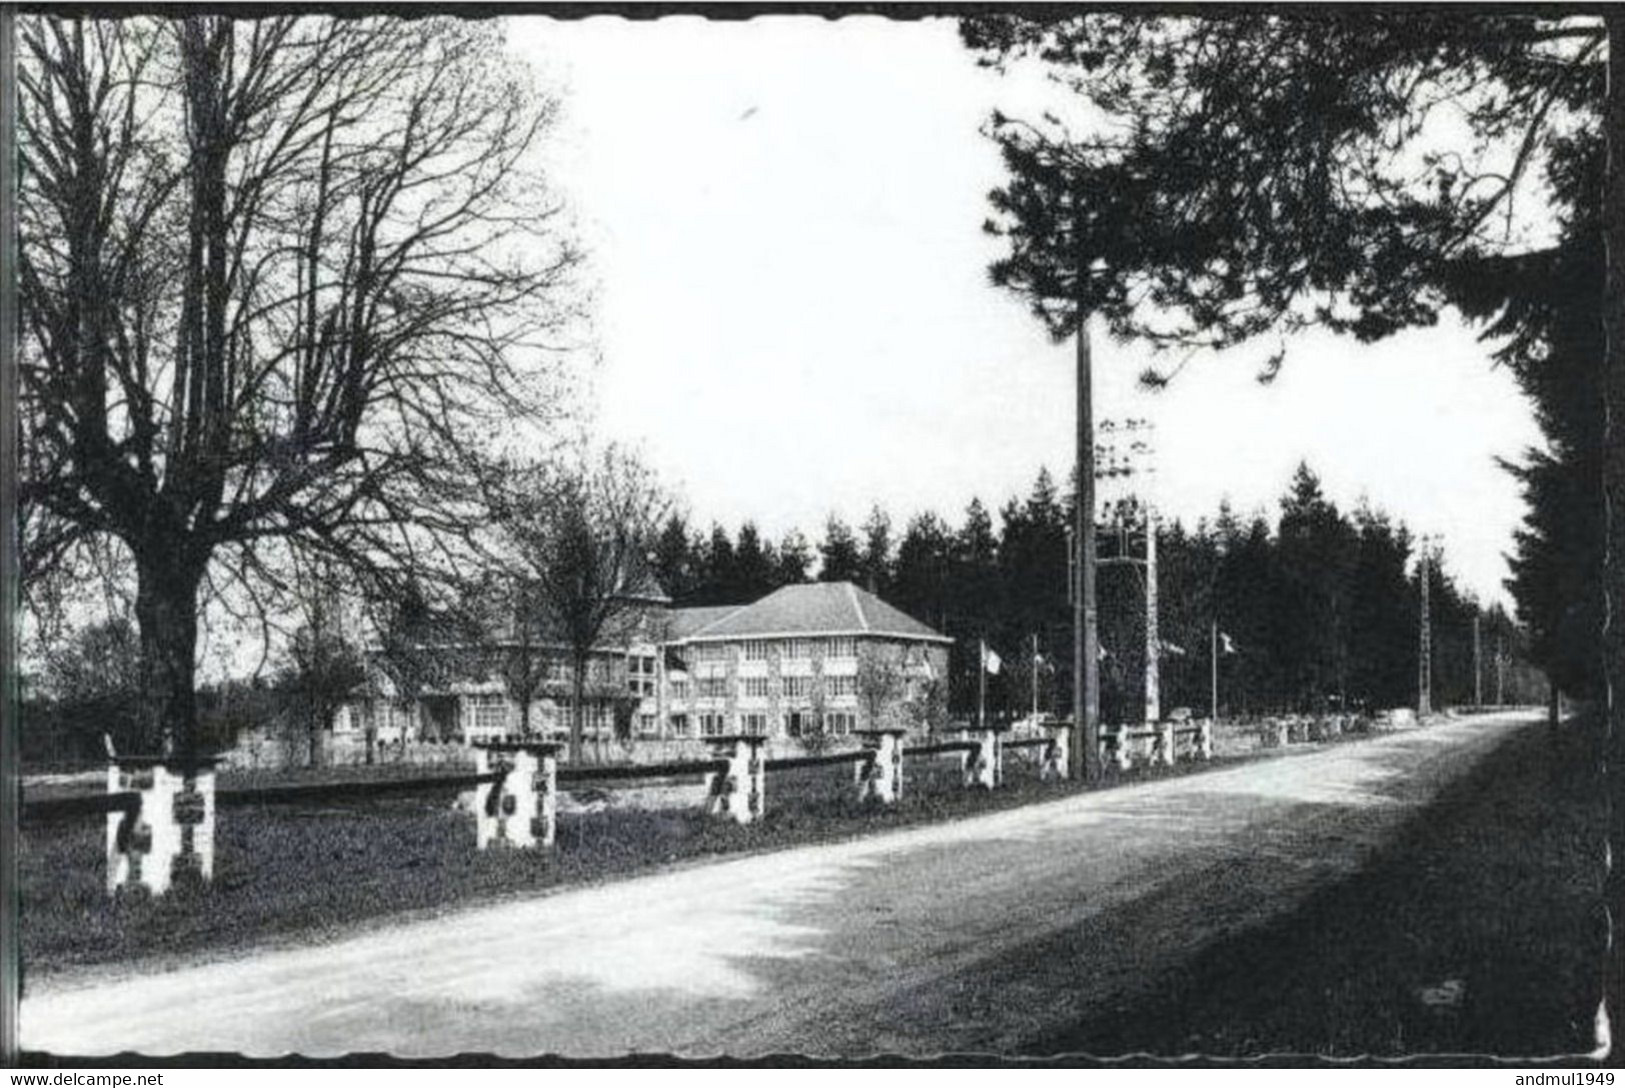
{"x":1479,"y":930}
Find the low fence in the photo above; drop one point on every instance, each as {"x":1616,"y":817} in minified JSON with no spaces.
{"x":1125,"y":745}
{"x":161,"y":812}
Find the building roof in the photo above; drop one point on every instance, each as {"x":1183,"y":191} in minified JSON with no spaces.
{"x":689,"y":621}
{"x":817,"y":608}
{"x":638,"y":583}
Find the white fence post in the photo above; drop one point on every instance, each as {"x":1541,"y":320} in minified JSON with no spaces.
{"x":740,"y":791}
{"x":170,"y":835}
{"x":1057,"y":753}
{"x":521,"y":809}
{"x":1167,"y":737}
{"x":983,"y":767}
{"x":1204,"y":740}
{"x":880,"y":777}
{"x":1122,"y":749}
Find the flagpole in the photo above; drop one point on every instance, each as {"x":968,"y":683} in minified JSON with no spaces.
{"x":1035,"y":676}
{"x":1213,"y":676}
{"x":981,"y":684}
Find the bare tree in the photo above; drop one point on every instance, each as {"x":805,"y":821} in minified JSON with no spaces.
{"x":927,"y":704}
{"x":325,"y":665}
{"x":283,"y":281}
{"x":580,"y":535}
{"x":881,"y":683}
{"x":427,"y":641}
{"x":511,"y":635}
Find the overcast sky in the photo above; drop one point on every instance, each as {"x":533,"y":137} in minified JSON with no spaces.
{"x":783,"y":218}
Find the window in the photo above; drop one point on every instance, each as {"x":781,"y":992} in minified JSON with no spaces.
{"x":841,"y":647}
{"x":754,"y":687}
{"x":713,"y":687}
{"x":490,"y":713}
{"x":711,"y":651}
{"x":679,"y":689}
{"x":797,"y":687}
{"x":646,"y":725}
{"x":798,"y":649}
{"x":841,"y":685}
{"x":679,"y":725}
{"x":713,"y":725}
{"x":753,"y":724}
{"x":640,"y":672}
{"x":840,"y":723}
{"x":801,"y":723}
{"x":756,"y":651}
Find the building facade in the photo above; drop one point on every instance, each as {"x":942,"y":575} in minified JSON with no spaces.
{"x":823,"y":659}
{"x":804,"y":665}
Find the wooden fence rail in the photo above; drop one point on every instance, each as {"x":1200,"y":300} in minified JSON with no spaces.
{"x":44,"y":810}
{"x":161,"y":812}
{"x":349,"y":791}
{"x":624,"y":772}
{"x":791,"y":763}
{"x":942,"y":749}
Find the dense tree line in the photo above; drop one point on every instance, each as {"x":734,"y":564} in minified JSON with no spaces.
{"x":1209,"y":206}
{"x":1318,"y":609}
{"x":1546,"y":311}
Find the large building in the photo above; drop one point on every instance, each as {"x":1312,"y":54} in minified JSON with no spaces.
{"x":802,"y":665}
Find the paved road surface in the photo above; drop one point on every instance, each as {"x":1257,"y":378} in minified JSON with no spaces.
{"x":972,"y":936}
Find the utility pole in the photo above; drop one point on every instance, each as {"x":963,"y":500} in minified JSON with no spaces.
{"x":1424,"y":673}
{"x":1086,"y":638}
{"x":1478,"y":667}
{"x":1118,"y":465}
{"x":1153,"y":641}
{"x":1500,"y":666}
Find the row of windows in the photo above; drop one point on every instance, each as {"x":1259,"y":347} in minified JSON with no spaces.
{"x":796,"y":724}
{"x":794,"y":649}
{"x":491,"y":712}
{"x":761,"y":687}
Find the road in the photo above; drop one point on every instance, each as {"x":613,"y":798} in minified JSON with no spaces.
{"x":972,"y":936}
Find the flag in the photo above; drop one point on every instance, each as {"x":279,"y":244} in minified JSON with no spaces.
{"x":990,"y":660}
{"x":1224,"y":641}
